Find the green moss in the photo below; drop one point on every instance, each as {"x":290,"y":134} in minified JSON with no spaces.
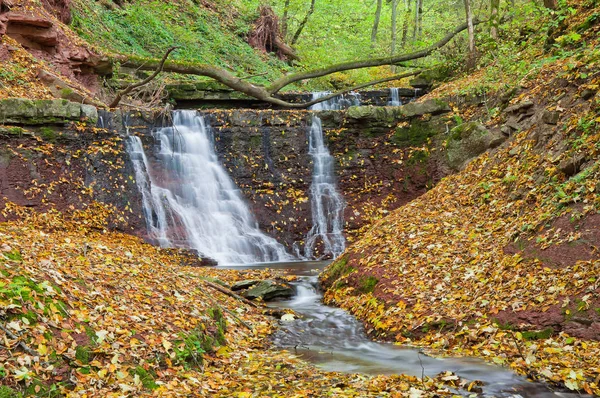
{"x":145,"y":376}
{"x":416,"y":134}
{"x":83,"y":354}
{"x":48,"y":134}
{"x":417,"y":157}
{"x":66,"y":92}
{"x":255,"y":141}
{"x":538,"y":335}
{"x":367,"y":284}
{"x":338,"y":269}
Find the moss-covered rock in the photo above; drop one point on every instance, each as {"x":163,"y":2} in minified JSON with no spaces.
{"x":469,"y":140}
{"x":23,"y":111}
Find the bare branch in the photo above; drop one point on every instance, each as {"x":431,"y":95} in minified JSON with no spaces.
{"x":147,"y":80}
{"x":368,"y":63}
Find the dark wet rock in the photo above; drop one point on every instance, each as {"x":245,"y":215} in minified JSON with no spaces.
{"x":470,"y":140}
{"x":550,"y":117}
{"x":587,"y":94}
{"x":245,"y":284}
{"x":269,"y":290}
{"x":520,"y":107}
{"x":571,"y":165}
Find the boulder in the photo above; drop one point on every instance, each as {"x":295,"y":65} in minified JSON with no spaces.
{"x":269,"y":290}
{"x":550,"y":117}
{"x":469,"y":140}
{"x":243,"y":285}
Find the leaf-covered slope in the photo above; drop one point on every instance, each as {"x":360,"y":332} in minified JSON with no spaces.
{"x":207,"y":32}
{"x":466,"y":267}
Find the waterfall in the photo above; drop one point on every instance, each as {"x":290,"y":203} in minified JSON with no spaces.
{"x":327,"y":205}
{"x":394,"y":97}
{"x":196,"y":204}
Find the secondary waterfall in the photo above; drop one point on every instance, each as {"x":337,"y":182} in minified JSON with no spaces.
{"x":196,"y":204}
{"x":327,"y":205}
{"x":394,"y":97}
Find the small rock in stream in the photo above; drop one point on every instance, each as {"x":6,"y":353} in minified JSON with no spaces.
{"x":269,"y":290}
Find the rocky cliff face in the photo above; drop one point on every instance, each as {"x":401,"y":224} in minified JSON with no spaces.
{"x":384,"y":158}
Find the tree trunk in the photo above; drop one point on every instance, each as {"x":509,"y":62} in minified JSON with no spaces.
{"x":471,"y":31}
{"x":394,"y":33}
{"x":418,"y":20}
{"x":494,"y":18}
{"x":407,"y":14}
{"x":285,"y":18}
{"x":376,"y":23}
{"x":304,"y":21}
{"x":552,"y":4}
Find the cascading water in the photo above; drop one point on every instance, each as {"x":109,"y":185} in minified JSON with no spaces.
{"x":327,"y":205}
{"x":394,"y":97}
{"x":198,"y":205}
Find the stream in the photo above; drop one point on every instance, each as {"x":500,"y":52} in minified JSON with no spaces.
{"x":334,"y":340}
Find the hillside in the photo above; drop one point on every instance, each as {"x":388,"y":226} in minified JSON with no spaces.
{"x":501,"y":259}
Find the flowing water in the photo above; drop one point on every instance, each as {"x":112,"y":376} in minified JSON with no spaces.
{"x":327,"y":204}
{"x":394,"y":97}
{"x":196,"y":204}
{"x":335,"y":341}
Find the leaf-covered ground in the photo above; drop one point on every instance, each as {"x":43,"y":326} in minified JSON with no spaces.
{"x":87,"y":312}
{"x":455,"y":270}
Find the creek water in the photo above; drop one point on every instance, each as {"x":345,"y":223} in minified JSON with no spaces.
{"x":336,"y":341}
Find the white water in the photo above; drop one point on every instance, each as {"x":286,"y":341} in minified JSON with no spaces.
{"x":327,"y":205}
{"x":395,"y":97}
{"x":198,"y":205}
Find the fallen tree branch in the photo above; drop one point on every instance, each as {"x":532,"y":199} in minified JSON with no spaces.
{"x":368,"y":63}
{"x":233,"y":315}
{"x":266,"y":94}
{"x":147,"y":80}
{"x":231,"y":294}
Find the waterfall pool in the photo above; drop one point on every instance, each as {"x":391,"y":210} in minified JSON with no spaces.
{"x":334,"y":340}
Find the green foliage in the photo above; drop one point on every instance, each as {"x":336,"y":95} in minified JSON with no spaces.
{"x":147,"y":29}
{"x":191,"y":346}
{"x":146,"y":377}
{"x":7,"y":392}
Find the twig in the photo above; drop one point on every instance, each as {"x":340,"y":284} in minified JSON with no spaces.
{"x":24,"y":346}
{"x":231,"y":294}
{"x":422,"y":371}
{"x":147,"y":80}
